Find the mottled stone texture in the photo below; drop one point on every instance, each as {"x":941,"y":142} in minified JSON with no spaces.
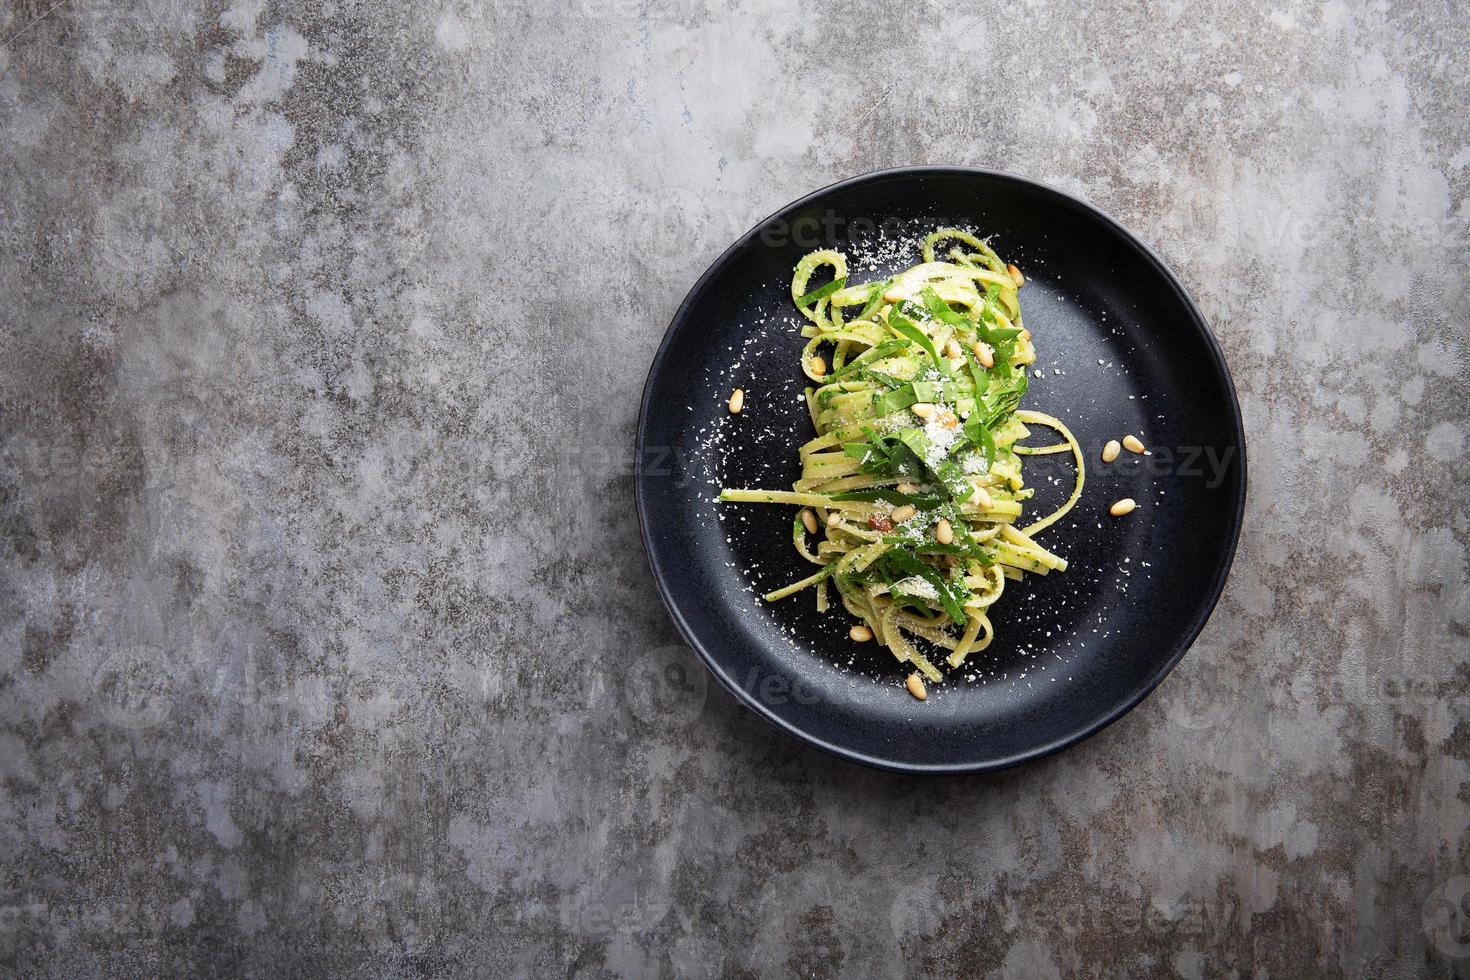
{"x":328,"y":642}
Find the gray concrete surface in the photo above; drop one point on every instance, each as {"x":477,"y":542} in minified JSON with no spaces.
{"x":328,"y":644}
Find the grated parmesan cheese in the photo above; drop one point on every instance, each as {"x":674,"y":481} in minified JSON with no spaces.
{"x":941,"y":438}
{"x":917,"y":587}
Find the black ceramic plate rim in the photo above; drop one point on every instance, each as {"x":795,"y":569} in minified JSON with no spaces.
{"x":1217,"y":588}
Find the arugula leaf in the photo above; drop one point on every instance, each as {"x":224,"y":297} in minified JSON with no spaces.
{"x":1004,"y":400}
{"x":1004,"y":351}
{"x":883,"y":456}
{"x":916,"y":439}
{"x":894,"y":401}
{"x":869,"y":356}
{"x":911,"y":330}
{"x":914,"y":565}
{"x":887,"y":380}
{"x":1001,"y":339}
{"x":947,"y":473}
{"x":997,"y":335}
{"x":936,"y":305}
{"x":978,"y":375}
{"x":978,"y":433}
{"x":875,"y":297}
{"x":990,"y":302}
{"x":952,"y":476}
{"x":822,"y":292}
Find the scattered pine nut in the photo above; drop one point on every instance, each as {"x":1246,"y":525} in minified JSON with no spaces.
{"x":809,"y":520}
{"x":915,"y":684}
{"x":984,"y":354}
{"x":1016,"y":276}
{"x":1111,"y":450}
{"x":737,"y":401}
{"x":903,"y":513}
{"x":943,"y":532}
{"x":860,"y":634}
{"x":907,"y":488}
{"x":1025,"y":334}
{"x":819,"y":366}
{"x":951,"y":348}
{"x":1124,"y":506}
{"x":924,"y":410}
{"x":981,"y":498}
{"x":833,"y":518}
{"x":1131,"y":443}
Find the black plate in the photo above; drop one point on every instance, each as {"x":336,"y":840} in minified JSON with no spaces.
{"x":1074,"y":651}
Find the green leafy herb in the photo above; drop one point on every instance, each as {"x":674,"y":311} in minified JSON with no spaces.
{"x":951,"y":476}
{"x":911,"y":330}
{"x":822,"y":292}
{"x":886,"y":380}
{"x":885,"y":349}
{"x":883,"y":455}
{"x":1002,"y":400}
{"x":951,"y":595}
{"x":875,"y":297}
{"x":978,"y":433}
{"x":895,"y":401}
{"x":936,"y":306}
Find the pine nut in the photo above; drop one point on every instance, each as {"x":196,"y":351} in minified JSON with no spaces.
{"x":915,"y":684}
{"x":834,"y":518}
{"x":907,"y":488}
{"x":860,"y":634}
{"x":951,"y":349}
{"x":981,"y":498}
{"x":809,"y":520}
{"x":1025,"y":334}
{"x":1016,"y":276}
{"x":1131,"y":443}
{"x":819,"y":366}
{"x":984,"y":354}
{"x":943,"y":533}
{"x":901,"y":514}
{"x":1111,"y":450}
{"x":1124,"y":506}
{"x":737,"y":401}
{"x":924,"y":410}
